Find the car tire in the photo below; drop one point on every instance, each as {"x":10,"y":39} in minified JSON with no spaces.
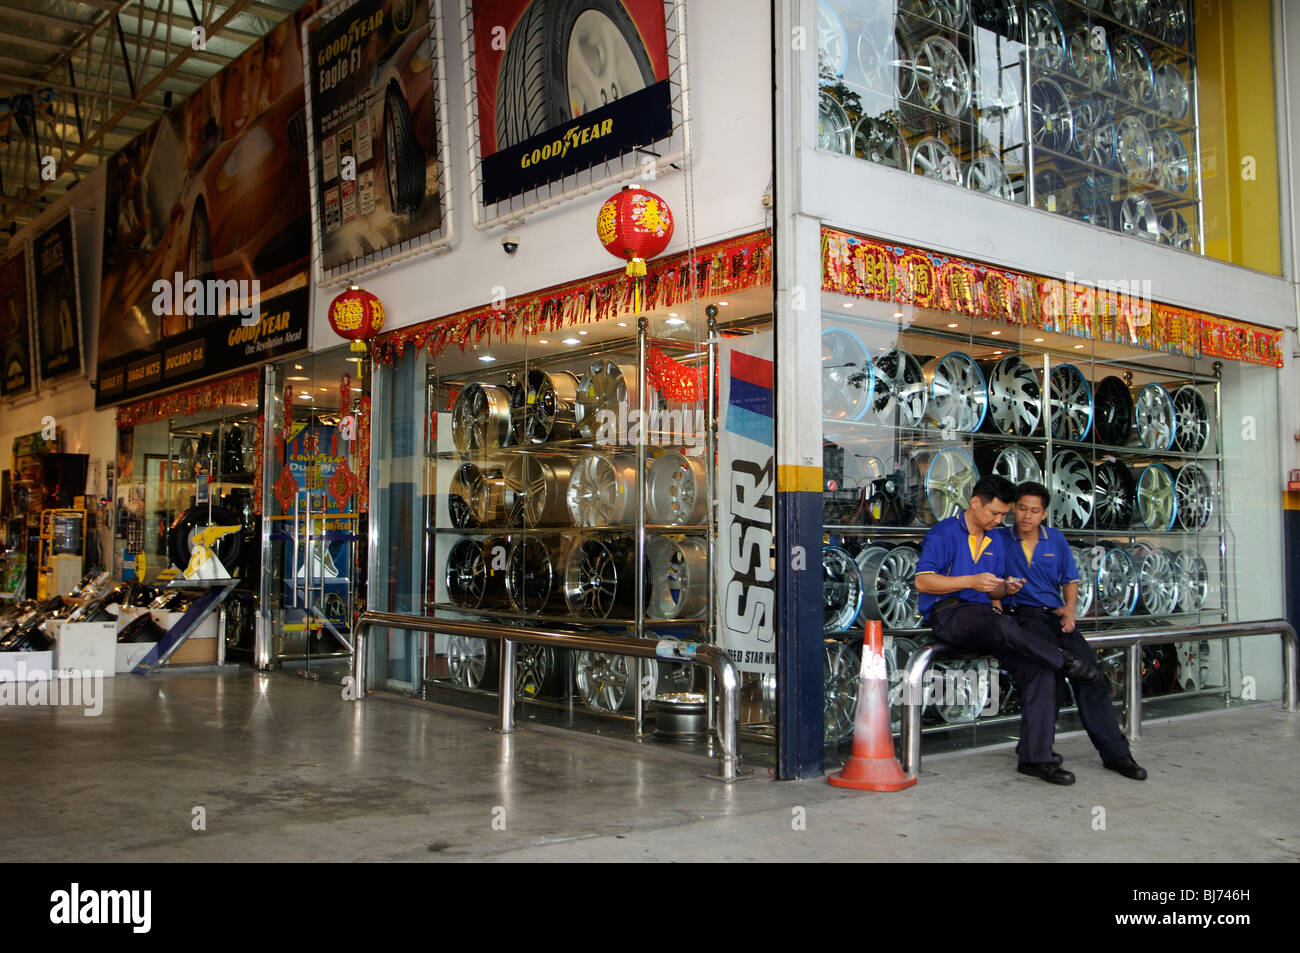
{"x":533,"y":87}
{"x":404,"y":160}
{"x":196,"y":517}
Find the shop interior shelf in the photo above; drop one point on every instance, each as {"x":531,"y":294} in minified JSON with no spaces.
{"x":562,"y":620}
{"x":1072,"y":165}
{"x":1083,"y":12}
{"x":569,"y":529}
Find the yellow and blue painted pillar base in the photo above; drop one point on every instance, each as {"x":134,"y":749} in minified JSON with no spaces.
{"x":799,"y":679}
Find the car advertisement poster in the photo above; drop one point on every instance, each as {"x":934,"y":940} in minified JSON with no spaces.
{"x":58,"y":311}
{"x":374,"y":127}
{"x":746,"y":490}
{"x":564,"y":85}
{"x":15,"y":327}
{"x":207,"y":231}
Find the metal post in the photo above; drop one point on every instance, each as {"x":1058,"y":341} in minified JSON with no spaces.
{"x":1289,"y":670}
{"x":711,"y":449}
{"x":1133,"y":692}
{"x":506,"y":686}
{"x":642,"y":323}
{"x":361,"y":641}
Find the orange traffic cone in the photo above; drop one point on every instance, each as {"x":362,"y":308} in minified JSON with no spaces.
{"x":872,"y":765}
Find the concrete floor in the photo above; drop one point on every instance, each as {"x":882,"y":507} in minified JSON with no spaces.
{"x":286,"y":770}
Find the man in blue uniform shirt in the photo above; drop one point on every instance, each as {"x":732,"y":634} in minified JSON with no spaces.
{"x":961,"y":571}
{"x":1045,"y":606}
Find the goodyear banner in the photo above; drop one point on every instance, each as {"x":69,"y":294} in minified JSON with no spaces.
{"x":746,"y":492}
{"x":563,"y":87}
{"x":58,"y":310}
{"x":15,"y":327}
{"x":374,"y":127}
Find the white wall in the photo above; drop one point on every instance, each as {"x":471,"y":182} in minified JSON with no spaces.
{"x":730,"y":103}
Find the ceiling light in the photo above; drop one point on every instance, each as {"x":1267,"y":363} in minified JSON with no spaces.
{"x":571,"y":341}
{"x":672,"y":314}
{"x":1077,"y":346}
{"x":357,"y":389}
{"x":299,"y":378}
{"x":723,"y":304}
{"x":953,"y":325}
{"x":582,"y":333}
{"x":297,"y":367}
{"x":543,"y":341}
{"x":997,"y":332}
{"x":486,"y":358}
{"x":622,"y":324}
{"x":898,"y":314}
{"x":848,"y":304}
{"x":1038,"y":340}
{"x":322,"y":390}
{"x":675,"y":321}
{"x":997,"y":352}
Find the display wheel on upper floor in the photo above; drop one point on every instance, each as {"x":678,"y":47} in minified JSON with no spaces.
{"x":1069,"y":403}
{"x":1014,"y":396}
{"x":1157,"y":501}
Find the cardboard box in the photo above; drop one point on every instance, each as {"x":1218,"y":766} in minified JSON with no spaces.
{"x":85,"y":647}
{"x":26,"y":665}
{"x":129,"y":655}
{"x":194,"y":651}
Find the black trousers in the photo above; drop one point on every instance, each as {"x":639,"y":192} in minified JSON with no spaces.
{"x":1095,"y":708}
{"x":1032,"y":663}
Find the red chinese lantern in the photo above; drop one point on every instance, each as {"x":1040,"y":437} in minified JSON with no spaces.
{"x":357,"y":315}
{"x":636,"y":225}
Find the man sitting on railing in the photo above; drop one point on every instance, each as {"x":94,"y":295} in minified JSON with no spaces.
{"x":961,"y":571}
{"x":1045,"y":606}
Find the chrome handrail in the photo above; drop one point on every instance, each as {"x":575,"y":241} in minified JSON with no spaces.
{"x":913,"y":695}
{"x":698,"y":653}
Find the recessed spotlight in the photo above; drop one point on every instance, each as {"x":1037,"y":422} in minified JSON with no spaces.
{"x":1077,"y":346}
{"x":898,"y":314}
{"x":571,"y":341}
{"x":582,"y":333}
{"x":995,"y":333}
{"x":242,"y":404}
{"x":674,"y":321}
{"x":305,"y":394}
{"x":953,"y":325}
{"x":997,"y":352}
{"x":622,"y":324}
{"x":848,"y":304}
{"x":1038,"y":340}
{"x":357,"y":389}
{"x":672,"y":314}
{"x":486,"y":358}
{"x":297,"y":367}
{"x":723,"y":304}
{"x":543,"y":341}
{"x":299,"y":378}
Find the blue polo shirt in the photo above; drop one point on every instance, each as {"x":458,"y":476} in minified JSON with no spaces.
{"x":950,"y":550}
{"x":1051,"y":567}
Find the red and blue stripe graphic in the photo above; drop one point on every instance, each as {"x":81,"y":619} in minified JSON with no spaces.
{"x":751,"y":404}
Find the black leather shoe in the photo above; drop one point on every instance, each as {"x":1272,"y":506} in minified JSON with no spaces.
{"x":1046,"y":771}
{"x":1127,"y":767}
{"x":1056,"y":758}
{"x":1077,"y":670}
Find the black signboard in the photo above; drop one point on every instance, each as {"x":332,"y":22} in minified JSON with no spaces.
{"x":58,"y":311}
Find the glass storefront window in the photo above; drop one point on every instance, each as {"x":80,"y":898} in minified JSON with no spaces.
{"x":1122,"y":115}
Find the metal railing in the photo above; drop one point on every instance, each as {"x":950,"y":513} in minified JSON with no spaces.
{"x":698,"y":653}
{"x":914,"y":672}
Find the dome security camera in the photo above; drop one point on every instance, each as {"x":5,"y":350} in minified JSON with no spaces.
{"x":511,"y":244}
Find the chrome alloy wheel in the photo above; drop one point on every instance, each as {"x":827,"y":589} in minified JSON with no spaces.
{"x":1137,"y":217}
{"x":1051,"y":118}
{"x":841,"y":671}
{"x":885,"y":59}
{"x":604,"y":681}
{"x":1113,"y":413}
{"x":959,"y":397}
{"x":888,"y":595}
{"x":1172,"y":96}
{"x":602,"y":489}
{"x":1168,"y":20}
{"x":530,"y":575}
{"x":1115,"y":495}
{"x":1193,"y":580}
{"x":543,"y":407}
{"x":950,"y":475}
{"x":1171,"y":164}
{"x":537,"y":484}
{"x":942,"y":77}
{"x":604,"y":389}
{"x":934,"y":159}
{"x":1174,"y":230}
{"x":1133,"y":71}
{"x":960,"y":689}
{"x":1072,"y":489}
{"x":841,"y":589}
{"x":1131,"y":13}
{"x":1134,"y":150}
{"x":1017,"y":464}
{"x":1195,"y":495}
{"x":1087,"y":581}
{"x":1117,"y":583}
{"x":1015,"y":397}
{"x":1047,"y":46}
{"x":950,"y":14}
{"x":1157,"y":502}
{"x":1094,"y":133}
{"x":677,"y":490}
{"x":901,"y":395}
{"x":1051,"y":193}
{"x":1191,"y":420}
{"x":466,"y":573}
{"x":832,"y":40}
{"x":1069,"y":403}
{"x":534,"y":666}
{"x":880,"y":141}
{"x":677,"y":575}
{"x":1090,"y":59}
{"x":834,"y":128}
{"x":1157,"y":585}
{"x":848,"y":375}
{"x":466,"y":661}
{"x":986,"y":174}
{"x":1155,"y":417}
{"x":480,"y":418}
{"x":598,"y":578}
{"x":476,"y":497}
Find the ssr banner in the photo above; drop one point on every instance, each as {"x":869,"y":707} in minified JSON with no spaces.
{"x":375,"y":127}
{"x":566,"y":86}
{"x":58,"y":308}
{"x":15,"y":327}
{"x":746,"y":491}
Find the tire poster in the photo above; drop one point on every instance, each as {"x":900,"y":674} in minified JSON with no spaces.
{"x":15,"y":328}
{"x":564,"y":85}
{"x":375,"y":127}
{"x":207,"y":228}
{"x":58,"y":311}
{"x":746,"y":494}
